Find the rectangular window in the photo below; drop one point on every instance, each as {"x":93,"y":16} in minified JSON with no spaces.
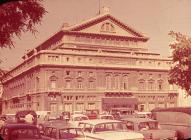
{"x":150,"y":86}
{"x":91,"y":85}
{"x":68,"y":84}
{"x":80,"y":85}
{"x":80,"y":106}
{"x":53,"y":84}
{"x":141,"y":85}
{"x":68,"y":107}
{"x":53,"y":107}
{"x":91,"y":106}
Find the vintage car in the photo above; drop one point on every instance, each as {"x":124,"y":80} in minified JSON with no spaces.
{"x":21,"y":116}
{"x":121,"y":112}
{"x":103,"y":129}
{"x":21,"y":131}
{"x":62,"y":132}
{"x":175,"y":118}
{"x":92,"y":113}
{"x":142,"y":114}
{"x":9,"y":118}
{"x":106,"y":116}
{"x":149,"y":128}
{"x":42,"y":126}
{"x":76,"y":118}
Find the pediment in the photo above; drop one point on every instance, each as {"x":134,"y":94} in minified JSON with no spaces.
{"x":100,"y":25}
{"x":106,"y":24}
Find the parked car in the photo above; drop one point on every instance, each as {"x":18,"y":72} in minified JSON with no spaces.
{"x":106,"y":116}
{"x":20,"y":132}
{"x":64,"y":132}
{"x":149,"y":128}
{"x":46,"y":123}
{"x":76,"y":118}
{"x":92,"y":113}
{"x":9,"y":118}
{"x":42,"y":115}
{"x":21,"y":116}
{"x":66,"y":115}
{"x":78,"y":112}
{"x":121,"y":112}
{"x":175,"y":118}
{"x":103,"y":129}
{"x":143,"y":114}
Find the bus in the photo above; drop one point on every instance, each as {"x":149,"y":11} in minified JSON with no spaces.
{"x":174,"y":118}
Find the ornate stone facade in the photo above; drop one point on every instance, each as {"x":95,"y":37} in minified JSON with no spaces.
{"x":81,"y":65}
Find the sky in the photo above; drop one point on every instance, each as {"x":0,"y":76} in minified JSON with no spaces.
{"x":154,"y":18}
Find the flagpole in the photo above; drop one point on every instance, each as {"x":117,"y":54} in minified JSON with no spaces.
{"x":99,"y":7}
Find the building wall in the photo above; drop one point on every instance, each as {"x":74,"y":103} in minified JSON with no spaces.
{"x":67,"y":88}
{"x":74,"y":71}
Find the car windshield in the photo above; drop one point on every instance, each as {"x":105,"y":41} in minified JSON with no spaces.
{"x":80,"y":118}
{"x":70,"y":133}
{"x":148,"y":125}
{"x":114,"y":126}
{"x":25,"y":134}
{"x":10,"y":118}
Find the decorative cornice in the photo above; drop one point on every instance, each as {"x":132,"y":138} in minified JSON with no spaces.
{"x":101,"y":18}
{"x":136,"y":38}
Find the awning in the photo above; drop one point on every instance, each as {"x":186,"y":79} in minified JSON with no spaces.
{"x":120,"y":101}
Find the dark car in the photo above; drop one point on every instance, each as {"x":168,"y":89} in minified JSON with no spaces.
{"x":20,"y":132}
{"x":149,"y":128}
{"x":63,"y":131}
{"x":44,"y":124}
{"x":92,"y":113}
{"x":20,"y":116}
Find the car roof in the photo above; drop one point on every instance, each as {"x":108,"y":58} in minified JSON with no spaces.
{"x":142,"y":113}
{"x":19,"y":125}
{"x":99,"y":121}
{"x":79,"y":115}
{"x":62,"y":126}
{"x":138,"y":120}
{"x":186,"y":110}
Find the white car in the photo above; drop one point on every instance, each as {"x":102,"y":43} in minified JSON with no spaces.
{"x":76,"y":118}
{"x":104,"y":129}
{"x":106,"y":116}
{"x":143,"y":114}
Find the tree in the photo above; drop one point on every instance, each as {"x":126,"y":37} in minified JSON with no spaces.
{"x":180,"y":72}
{"x":17,"y":17}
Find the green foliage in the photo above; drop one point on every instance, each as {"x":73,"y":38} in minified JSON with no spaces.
{"x":17,"y":17}
{"x":180,"y":73}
